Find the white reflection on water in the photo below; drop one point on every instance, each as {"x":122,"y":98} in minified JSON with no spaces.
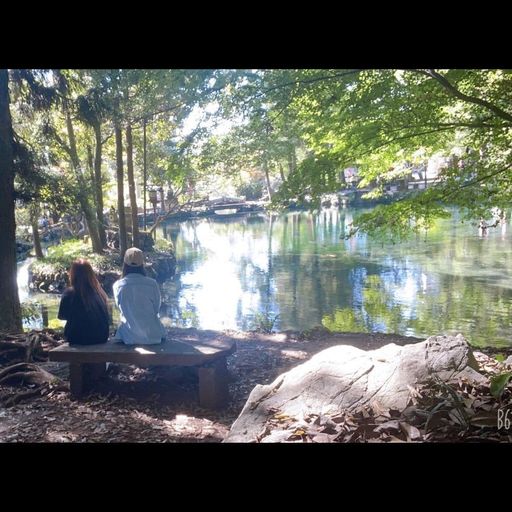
{"x":214,"y":286}
{"x":23,"y":290}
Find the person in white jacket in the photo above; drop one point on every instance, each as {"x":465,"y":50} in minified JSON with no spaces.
{"x":138,"y":299}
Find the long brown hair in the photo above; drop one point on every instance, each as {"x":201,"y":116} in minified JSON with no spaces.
{"x":85,"y":284}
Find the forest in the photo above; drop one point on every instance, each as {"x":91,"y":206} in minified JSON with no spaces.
{"x":94,"y":162}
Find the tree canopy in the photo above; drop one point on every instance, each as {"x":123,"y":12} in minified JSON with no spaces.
{"x":379,"y":120}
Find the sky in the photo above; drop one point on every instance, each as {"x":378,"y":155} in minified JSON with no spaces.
{"x":198,"y":115}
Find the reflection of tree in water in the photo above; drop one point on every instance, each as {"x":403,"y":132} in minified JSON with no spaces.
{"x":254,"y":219}
{"x":375,"y":311}
{"x":460,"y":305}
{"x":471,"y":306}
{"x":311,"y":276}
{"x":446,"y":280}
{"x":180,"y":313}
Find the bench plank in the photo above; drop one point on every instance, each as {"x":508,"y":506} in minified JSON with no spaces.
{"x":170,"y":352}
{"x":87,"y":363}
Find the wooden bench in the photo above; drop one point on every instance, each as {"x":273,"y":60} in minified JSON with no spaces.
{"x":87,"y":363}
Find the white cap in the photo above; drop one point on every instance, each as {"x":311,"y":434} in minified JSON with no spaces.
{"x":134,"y":257}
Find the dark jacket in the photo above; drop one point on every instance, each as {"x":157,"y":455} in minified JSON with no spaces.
{"x":83,"y":327}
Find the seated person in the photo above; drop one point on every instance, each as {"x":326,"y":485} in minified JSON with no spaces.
{"x":138,"y":299}
{"x":84,"y":307}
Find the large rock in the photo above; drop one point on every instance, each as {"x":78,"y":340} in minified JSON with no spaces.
{"x":162,"y":266}
{"x":343,"y":378}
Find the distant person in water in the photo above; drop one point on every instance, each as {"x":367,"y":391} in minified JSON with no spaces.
{"x":482,"y":228}
{"x":84,"y":307}
{"x":138,"y":299}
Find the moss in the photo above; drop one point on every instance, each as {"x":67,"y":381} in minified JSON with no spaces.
{"x":60,"y":258}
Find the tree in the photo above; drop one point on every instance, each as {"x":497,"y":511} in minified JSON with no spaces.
{"x":123,"y":243}
{"x":10,"y":311}
{"x":93,"y":109}
{"x":53,"y":95}
{"x":31,"y":184}
{"x":379,"y":120}
{"x":131,"y":186}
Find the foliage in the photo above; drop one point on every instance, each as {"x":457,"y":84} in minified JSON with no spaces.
{"x":163,"y":245}
{"x":296,"y":189}
{"x":56,"y":324}
{"x":60,"y":258}
{"x":383,"y":121}
{"x":499,"y":383}
{"x":291,"y":130}
{"x":70,"y":249}
{"x":252,"y":191}
{"x":30,"y":311}
{"x":264,"y":322}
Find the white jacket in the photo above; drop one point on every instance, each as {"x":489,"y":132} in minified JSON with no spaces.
{"x":138,"y":299}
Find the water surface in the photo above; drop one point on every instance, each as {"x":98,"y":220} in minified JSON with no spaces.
{"x":295,"y":271}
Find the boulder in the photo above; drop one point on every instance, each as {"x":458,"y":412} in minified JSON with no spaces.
{"x":162,"y":266}
{"x":344,"y":378}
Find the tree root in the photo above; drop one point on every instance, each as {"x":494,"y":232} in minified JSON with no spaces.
{"x":32,"y":346}
{"x":28,"y":374}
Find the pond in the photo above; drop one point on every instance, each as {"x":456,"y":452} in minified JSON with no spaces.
{"x":41,"y":309}
{"x":295,"y":271}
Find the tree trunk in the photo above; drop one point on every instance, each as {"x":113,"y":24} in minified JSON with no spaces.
{"x":82,"y":192}
{"x":123,"y":244}
{"x":34,"y":217}
{"x":343,"y":181}
{"x":131,"y":186}
{"x":145,"y":174}
{"x":10,"y":311}
{"x":98,"y":184}
{"x":281,"y":172}
{"x":162,"y":199}
{"x":267,"y":177}
{"x":293,"y":160}
{"x":90,"y":166}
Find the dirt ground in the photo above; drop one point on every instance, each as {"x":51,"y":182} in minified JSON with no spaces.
{"x":161,"y":404}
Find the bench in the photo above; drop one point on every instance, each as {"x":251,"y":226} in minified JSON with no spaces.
{"x":87,"y":363}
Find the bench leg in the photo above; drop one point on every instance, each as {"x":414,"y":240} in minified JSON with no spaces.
{"x":83,"y":375}
{"x":76,"y":379}
{"x":213,"y":384}
{"x":96,"y":370}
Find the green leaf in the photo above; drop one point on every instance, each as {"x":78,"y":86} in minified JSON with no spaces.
{"x":499,"y":383}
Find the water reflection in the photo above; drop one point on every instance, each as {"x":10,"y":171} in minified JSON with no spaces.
{"x":23,"y":289}
{"x":298,"y":268}
{"x":299,"y":271}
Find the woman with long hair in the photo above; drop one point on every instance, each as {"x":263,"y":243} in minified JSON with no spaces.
{"x":84,"y":306}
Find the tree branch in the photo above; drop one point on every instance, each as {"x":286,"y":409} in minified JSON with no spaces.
{"x":476,"y":181}
{"x":465,"y":97}
{"x":313,"y":80}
